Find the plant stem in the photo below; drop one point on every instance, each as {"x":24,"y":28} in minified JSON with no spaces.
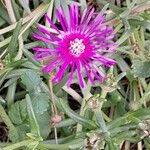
{"x":98,"y":113}
{"x":83,"y":108}
{"x":73,"y":93}
{"x":17,"y":145}
{"x":103,"y":94}
{"x":54,"y":108}
{"x":100,"y":120}
{"x":55,"y":146}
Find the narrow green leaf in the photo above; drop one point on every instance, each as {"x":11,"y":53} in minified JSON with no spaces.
{"x":30,"y":65}
{"x":35,"y":130}
{"x":9,"y":82}
{"x":14,"y":40}
{"x":16,"y":10}
{"x":4,"y":14}
{"x":100,"y":120}
{"x":11,"y":94}
{"x":128,"y":10}
{"x":4,"y":75}
{"x":85,"y":122}
{"x":16,"y":73}
{"x":29,"y":55}
{"x":112,"y":146}
{"x":140,"y":114}
{"x":113,"y":7}
{"x":120,"y":76}
{"x":124,"y":37}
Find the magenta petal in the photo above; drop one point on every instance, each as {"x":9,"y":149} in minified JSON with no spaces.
{"x":94,"y":26}
{"x":76,"y":15}
{"x":85,"y":23}
{"x":80,"y":43}
{"x":101,"y":73}
{"x":39,"y":49}
{"x":79,"y":74}
{"x":52,"y":24}
{"x":51,"y":65}
{"x":70,"y":75}
{"x":62,"y":19}
{"x":40,"y":54}
{"x":72,"y":17}
{"x":61,"y":72}
{"x":42,"y":38}
{"x":106,"y":38}
{"x":106,"y":51}
{"x":94,"y":73}
{"x":52,"y":36}
{"x":47,"y":57}
{"x":88,"y":74}
{"x":107,"y":45}
{"x":83,"y":15}
{"x":105,"y":61}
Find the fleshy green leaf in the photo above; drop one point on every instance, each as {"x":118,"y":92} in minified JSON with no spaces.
{"x":40,"y":103}
{"x":141,"y":68}
{"x":18,"y":112}
{"x":44,"y":124}
{"x":31,"y":80}
{"x":85,"y":122}
{"x":32,"y":118}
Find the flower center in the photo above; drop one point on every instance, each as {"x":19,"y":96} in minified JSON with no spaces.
{"x":77,"y":47}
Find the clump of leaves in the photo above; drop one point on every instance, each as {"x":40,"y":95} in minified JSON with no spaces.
{"x":37,"y":115}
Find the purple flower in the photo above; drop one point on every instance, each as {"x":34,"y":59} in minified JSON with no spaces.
{"x":79,"y":47}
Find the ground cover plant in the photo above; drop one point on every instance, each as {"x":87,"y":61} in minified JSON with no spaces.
{"x":75,"y":74}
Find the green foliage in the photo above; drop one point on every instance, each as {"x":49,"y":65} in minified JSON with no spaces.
{"x":18,"y":112}
{"x":40,"y":116}
{"x":141,"y":68}
{"x":87,"y":123}
{"x":31,"y":80}
{"x":40,"y":103}
{"x":14,"y":39}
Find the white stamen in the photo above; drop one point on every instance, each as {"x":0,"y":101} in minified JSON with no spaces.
{"x":77,"y":47}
